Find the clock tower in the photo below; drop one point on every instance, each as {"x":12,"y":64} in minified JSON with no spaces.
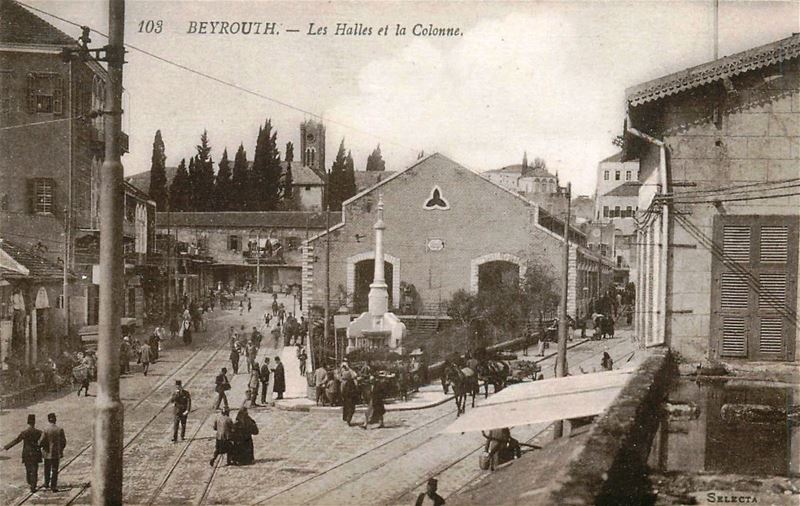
{"x":312,"y":146}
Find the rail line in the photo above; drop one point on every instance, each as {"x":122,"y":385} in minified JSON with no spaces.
{"x":141,"y":430}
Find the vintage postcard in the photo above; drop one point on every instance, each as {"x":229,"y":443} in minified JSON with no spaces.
{"x":399,"y":252}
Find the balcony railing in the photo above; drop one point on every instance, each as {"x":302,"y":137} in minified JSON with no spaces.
{"x":263,"y":257}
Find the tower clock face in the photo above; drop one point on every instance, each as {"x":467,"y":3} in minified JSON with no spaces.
{"x":310,"y":137}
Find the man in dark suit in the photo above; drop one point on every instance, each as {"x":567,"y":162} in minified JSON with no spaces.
{"x":31,"y":452}
{"x":53,"y":442}
{"x":181,"y":405}
{"x":221,"y":385}
{"x":278,"y":379}
{"x":264,"y":377}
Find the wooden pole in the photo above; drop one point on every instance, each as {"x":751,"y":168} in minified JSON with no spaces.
{"x":109,"y":410}
{"x":561,"y":358}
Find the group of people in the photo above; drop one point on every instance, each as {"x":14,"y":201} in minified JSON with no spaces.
{"x":342,"y":386}
{"x":234,"y":439}
{"x":41,"y":445}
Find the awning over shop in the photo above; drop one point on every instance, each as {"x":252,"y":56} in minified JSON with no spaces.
{"x":544,"y":401}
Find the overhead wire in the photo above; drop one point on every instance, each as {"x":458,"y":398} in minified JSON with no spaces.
{"x":231,"y":84}
{"x":737,"y":187}
{"x":747,"y":275}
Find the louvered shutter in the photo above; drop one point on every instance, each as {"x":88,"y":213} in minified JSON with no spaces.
{"x":734,"y":336}
{"x":734,"y":291}
{"x":31,"y":188}
{"x":58,"y":95}
{"x":736,"y":243}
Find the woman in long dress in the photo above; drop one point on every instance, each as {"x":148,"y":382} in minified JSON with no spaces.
{"x":243,"y":431}
{"x":349,"y":393}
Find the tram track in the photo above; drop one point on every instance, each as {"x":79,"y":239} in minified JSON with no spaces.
{"x":84,"y":486}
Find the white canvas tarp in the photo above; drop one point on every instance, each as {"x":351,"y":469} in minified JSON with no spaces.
{"x":544,"y":401}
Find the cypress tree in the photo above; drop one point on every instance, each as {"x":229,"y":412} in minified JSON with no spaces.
{"x":203,"y":180}
{"x":158,"y":174}
{"x":336,"y":180}
{"x":180,"y":190}
{"x":375,"y":161}
{"x":223,"y":184}
{"x":349,"y":179}
{"x":287,"y":194}
{"x":192,"y":186}
{"x":240,"y":182}
{"x":257,"y":174}
{"x":266,"y":183}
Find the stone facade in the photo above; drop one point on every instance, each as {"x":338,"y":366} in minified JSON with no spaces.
{"x":442,"y":222}
{"x":735,"y":141}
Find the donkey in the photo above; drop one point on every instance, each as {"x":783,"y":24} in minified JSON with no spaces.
{"x":495,"y":372}
{"x":464,"y":381}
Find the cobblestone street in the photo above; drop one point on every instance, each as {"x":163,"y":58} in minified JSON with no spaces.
{"x":301,"y":457}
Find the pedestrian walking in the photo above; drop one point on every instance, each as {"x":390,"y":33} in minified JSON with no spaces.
{"x":250,"y":353}
{"x":275,"y":305}
{"x":320,"y":378}
{"x":252,"y":385}
{"x":52,"y":444}
{"x":263,"y":376}
{"x":376,"y":408}
{"x":256,"y":337}
{"x":181,"y":405}
{"x":607,"y":363}
{"x":83,"y":373}
{"x":279,"y":379}
{"x":267,"y":318}
{"x":234,"y":357}
{"x":242,"y":452}
{"x":241,"y":307}
{"x":349,"y":393}
{"x":187,"y":331}
{"x":223,"y":425}
{"x":125,"y":355}
{"x":145,"y":357}
{"x":302,"y":356}
{"x":249,"y":304}
{"x":31,"y":451}
{"x":221,"y":386}
{"x":430,"y":496}
{"x":155,"y":344}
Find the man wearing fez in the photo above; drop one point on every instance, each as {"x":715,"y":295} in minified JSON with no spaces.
{"x":31,"y":452}
{"x":53,"y":442}
{"x":181,"y":405}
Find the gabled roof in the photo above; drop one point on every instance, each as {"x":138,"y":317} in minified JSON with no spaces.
{"x":20,"y":26}
{"x":755,"y":58}
{"x":615,"y":158}
{"x":246,"y":219}
{"x":303,"y":176}
{"x":37,"y":265}
{"x":629,"y":189}
{"x":366,"y":179}
{"x":517,"y":169}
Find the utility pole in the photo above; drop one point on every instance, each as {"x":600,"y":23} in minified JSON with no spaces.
{"x":563,"y":327}
{"x":65,"y":288}
{"x":109,"y":410}
{"x":327,"y":311}
{"x":168,"y":257}
{"x":258,"y":260}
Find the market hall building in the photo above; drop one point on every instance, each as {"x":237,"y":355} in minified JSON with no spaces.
{"x":447,"y":228}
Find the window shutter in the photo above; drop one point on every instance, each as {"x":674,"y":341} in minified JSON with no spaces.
{"x":32,"y":196}
{"x":736,"y":243}
{"x":734,"y":291}
{"x":773,"y":291}
{"x":31,"y":94}
{"x":58,"y":95}
{"x":771,"y":336}
{"x":733,"y":336}
{"x":774,"y":242}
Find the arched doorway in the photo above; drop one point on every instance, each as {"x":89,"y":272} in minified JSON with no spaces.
{"x":495,"y":268}
{"x":497,"y":275}
{"x":364,"y":273}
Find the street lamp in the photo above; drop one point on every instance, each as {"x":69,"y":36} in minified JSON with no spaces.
{"x":258,"y":257}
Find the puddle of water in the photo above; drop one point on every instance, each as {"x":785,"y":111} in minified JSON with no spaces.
{"x":731,"y":427}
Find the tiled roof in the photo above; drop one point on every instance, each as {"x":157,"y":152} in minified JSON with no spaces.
{"x":39,"y":266}
{"x":517,"y":169}
{"x":303,"y":176}
{"x":706,"y":73}
{"x":617,"y":157}
{"x":20,"y":26}
{"x":629,"y":189}
{"x":249,"y":219}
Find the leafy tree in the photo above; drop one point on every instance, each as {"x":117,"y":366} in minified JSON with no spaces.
{"x":158,"y":174}
{"x":375,"y":161}
{"x":336,"y":180}
{"x":180,"y":191}
{"x":240,"y":182}
{"x":287,"y":194}
{"x":223,"y":185}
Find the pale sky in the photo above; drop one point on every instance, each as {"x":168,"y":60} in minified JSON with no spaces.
{"x":543,"y":77}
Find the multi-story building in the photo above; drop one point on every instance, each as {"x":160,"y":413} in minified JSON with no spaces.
{"x":244,"y":246}
{"x":718,"y":243}
{"x":52,"y":147}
